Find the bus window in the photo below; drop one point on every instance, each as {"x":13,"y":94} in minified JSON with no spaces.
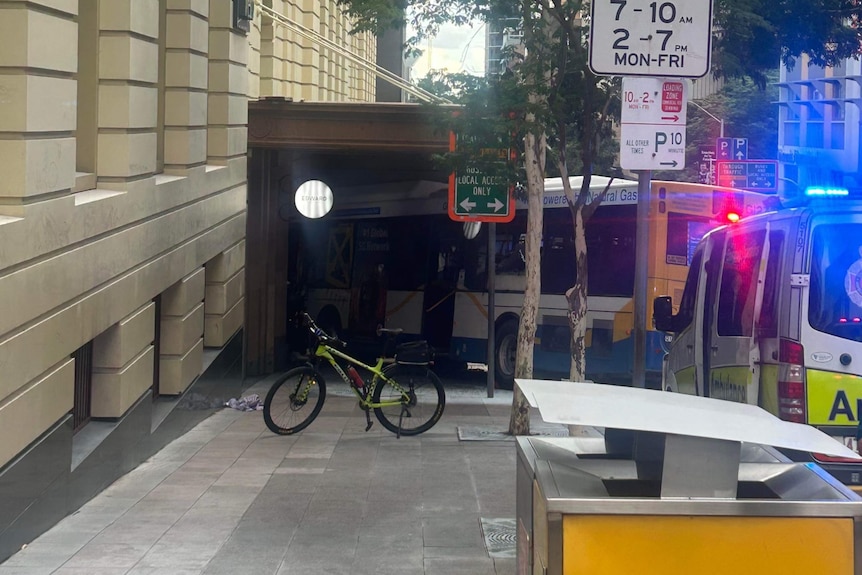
{"x":408,"y":253}
{"x":684,"y":231}
{"x":558,"y":264}
{"x":610,"y":237}
{"x":739,"y":284}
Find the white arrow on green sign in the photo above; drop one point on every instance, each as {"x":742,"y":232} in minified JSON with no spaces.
{"x":479,"y":197}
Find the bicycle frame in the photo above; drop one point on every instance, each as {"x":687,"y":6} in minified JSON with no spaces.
{"x":329,"y":353}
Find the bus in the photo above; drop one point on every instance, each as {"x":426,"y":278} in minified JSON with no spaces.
{"x":391,"y":256}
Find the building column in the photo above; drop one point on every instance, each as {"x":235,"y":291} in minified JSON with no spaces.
{"x":38,"y":91}
{"x":123,"y":364}
{"x":225,"y":290}
{"x":227,"y":113}
{"x":186,"y":65}
{"x":181,"y":338}
{"x":128,"y":92}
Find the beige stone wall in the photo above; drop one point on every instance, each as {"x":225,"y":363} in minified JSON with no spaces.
{"x":293,"y":66}
{"x":123,"y":153}
{"x":124,"y":162}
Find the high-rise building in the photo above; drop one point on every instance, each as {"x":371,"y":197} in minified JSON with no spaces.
{"x":499,"y":34}
{"x":819,"y":126}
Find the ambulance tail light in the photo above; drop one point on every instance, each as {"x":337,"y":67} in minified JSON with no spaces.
{"x":791,"y":382}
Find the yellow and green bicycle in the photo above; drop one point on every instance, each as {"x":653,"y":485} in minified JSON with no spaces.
{"x":405,"y":395}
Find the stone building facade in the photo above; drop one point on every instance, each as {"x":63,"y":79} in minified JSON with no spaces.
{"x":123,"y":154}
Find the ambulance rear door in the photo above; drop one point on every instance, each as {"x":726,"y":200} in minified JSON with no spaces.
{"x":686,"y":358}
{"x":731,"y":353}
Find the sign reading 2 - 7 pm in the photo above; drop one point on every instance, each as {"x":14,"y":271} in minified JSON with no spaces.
{"x":651,"y":38}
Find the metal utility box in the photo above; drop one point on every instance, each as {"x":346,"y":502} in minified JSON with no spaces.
{"x":654,"y":501}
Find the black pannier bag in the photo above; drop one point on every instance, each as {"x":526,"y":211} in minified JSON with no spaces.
{"x":413,"y":353}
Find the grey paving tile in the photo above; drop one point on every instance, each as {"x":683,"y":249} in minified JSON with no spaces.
{"x":132,"y":532}
{"x":194,"y":556}
{"x":41,"y":558}
{"x":107,"y":555}
{"x":505,"y":566}
{"x":13,"y":570}
{"x":452,"y":530}
{"x":458,"y":566}
{"x":91,"y":571}
{"x":164,"y":571}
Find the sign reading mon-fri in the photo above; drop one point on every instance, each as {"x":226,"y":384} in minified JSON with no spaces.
{"x":652,"y":130}
{"x":480,"y":197}
{"x":650,"y":38}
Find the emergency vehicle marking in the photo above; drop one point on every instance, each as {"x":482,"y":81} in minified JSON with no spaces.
{"x":853,"y":282}
{"x":833,"y":398}
{"x":725,"y":384}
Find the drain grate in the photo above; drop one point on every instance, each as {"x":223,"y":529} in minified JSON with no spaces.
{"x":500,"y":536}
{"x":496,"y":433}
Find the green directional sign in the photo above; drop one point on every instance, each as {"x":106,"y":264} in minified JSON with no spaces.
{"x":481,"y":197}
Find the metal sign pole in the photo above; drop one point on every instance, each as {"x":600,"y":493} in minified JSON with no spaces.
{"x":641,"y":270}
{"x":492,"y":248}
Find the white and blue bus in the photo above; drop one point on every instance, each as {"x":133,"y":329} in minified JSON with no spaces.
{"x":391,"y":256}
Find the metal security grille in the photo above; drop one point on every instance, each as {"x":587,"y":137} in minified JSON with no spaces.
{"x":157,"y":346}
{"x":83,"y":357}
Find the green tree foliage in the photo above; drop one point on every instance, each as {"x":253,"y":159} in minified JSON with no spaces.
{"x":753,"y":36}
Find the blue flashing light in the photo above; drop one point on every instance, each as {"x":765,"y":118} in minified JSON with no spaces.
{"x":821,"y":191}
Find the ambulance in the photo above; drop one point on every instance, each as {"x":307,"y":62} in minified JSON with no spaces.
{"x":771,"y":315}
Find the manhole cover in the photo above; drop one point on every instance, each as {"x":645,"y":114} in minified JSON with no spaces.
{"x":500,"y":537}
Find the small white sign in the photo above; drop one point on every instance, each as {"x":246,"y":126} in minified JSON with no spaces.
{"x":652,"y":147}
{"x":650,"y":38}
{"x":654,"y":101}
{"x":313,"y":199}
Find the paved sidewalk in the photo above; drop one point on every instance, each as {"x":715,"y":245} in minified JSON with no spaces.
{"x":230,"y":497}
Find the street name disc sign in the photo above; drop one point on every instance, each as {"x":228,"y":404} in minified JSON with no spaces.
{"x":651,"y":38}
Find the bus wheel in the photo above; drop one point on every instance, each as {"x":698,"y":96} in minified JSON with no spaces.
{"x":505,"y":351}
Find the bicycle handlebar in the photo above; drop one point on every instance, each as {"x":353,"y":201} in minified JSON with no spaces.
{"x":394,"y":331}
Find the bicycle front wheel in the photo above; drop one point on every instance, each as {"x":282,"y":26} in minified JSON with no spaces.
{"x":294,"y":400}
{"x":417,"y":399}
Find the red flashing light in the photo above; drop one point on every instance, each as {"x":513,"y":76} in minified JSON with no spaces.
{"x":732,"y":217}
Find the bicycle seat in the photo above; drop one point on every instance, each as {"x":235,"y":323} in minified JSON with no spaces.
{"x":394,"y":331}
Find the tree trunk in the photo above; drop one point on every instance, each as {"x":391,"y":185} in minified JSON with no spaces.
{"x":519,"y":421}
{"x":577,"y":298}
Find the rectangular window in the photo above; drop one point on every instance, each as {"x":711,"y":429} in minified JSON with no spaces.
{"x":610,"y":236}
{"x":684,"y":231}
{"x":768,"y":324}
{"x":739,"y":284}
{"x":814,"y":134}
{"x":835,"y":300}
{"x":837,"y":136}
{"x":687,"y":303}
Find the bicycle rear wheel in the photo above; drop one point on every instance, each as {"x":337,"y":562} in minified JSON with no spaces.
{"x":294,"y":400}
{"x":420,"y":405}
